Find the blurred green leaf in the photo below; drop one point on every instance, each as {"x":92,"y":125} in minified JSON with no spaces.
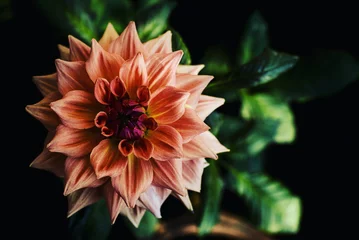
{"x":5,"y":10}
{"x":91,"y":223}
{"x":178,"y":44}
{"x":83,"y":25}
{"x":318,"y":75}
{"x":254,"y":40}
{"x":212,"y":194}
{"x":216,"y":62}
{"x":146,"y":228}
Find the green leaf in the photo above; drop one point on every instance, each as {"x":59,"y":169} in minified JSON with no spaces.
{"x":216,"y":62}
{"x":254,"y":40}
{"x":274,"y":207}
{"x":178,"y":44}
{"x":321,"y":74}
{"x":212,"y":193}
{"x":91,"y":223}
{"x":83,"y":25}
{"x":147,"y":226}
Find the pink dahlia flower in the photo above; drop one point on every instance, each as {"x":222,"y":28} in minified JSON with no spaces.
{"x":126,"y":123}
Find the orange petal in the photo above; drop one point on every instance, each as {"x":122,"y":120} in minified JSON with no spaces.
{"x":194,"y":84}
{"x":192,"y":171}
{"x":102,"y":91}
{"x":125,"y":147}
{"x":134,"y":180}
{"x":77,"y":109}
{"x":133,"y":73}
{"x":46,"y":84}
{"x":107,"y":160}
{"x":207,"y":104}
{"x":161,"y":69}
{"x":167,"y":143}
{"x":185,"y":200}
{"x":128,"y":44}
{"x":190,"y":69}
{"x":72,"y":76}
{"x":189,"y":125}
{"x":102,"y":64}
{"x":79,"y":174}
{"x":49,"y":161}
{"x":82,"y":198}
{"x":134,"y":214}
{"x":64,"y":52}
{"x":143,"y":148}
{"x":42,"y":111}
{"x":168,"y":174}
{"x":153,"y":199}
{"x":79,"y":51}
{"x":113,"y":200}
{"x":117,"y":87}
{"x":167,"y":105}
{"x":73,"y":142}
{"x":161,"y":44}
{"x":108,"y":36}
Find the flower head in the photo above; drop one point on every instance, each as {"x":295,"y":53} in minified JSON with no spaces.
{"x":126,"y":123}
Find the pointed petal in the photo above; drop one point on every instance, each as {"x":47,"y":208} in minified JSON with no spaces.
{"x":82,"y":198}
{"x":189,"y":125}
{"x":161,"y":69}
{"x":46,"y":84}
{"x":143,"y":148}
{"x":49,"y":161}
{"x":108,"y":36}
{"x":64,"y":52}
{"x":207,"y":104}
{"x":42,"y":111}
{"x":72,"y":76}
{"x":107,"y":160}
{"x":153,"y":199}
{"x":167,"y":105}
{"x":133,"y":73}
{"x":79,"y":174}
{"x":134,"y":180}
{"x":168,"y":174}
{"x":102,"y":64}
{"x":212,"y":142}
{"x":134,"y":214}
{"x":73,"y":142}
{"x":185,"y":200}
{"x":194,"y":84}
{"x":102,"y":91}
{"x":192,"y":171}
{"x":128,"y":44}
{"x":167,"y":143}
{"x":190,"y":69}
{"x":161,"y":44}
{"x":77,"y":109}
{"x":113,"y":200}
{"x":79,"y":51}
{"x":117,"y":87}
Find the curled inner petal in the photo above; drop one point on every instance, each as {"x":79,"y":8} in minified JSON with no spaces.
{"x":101,"y":119}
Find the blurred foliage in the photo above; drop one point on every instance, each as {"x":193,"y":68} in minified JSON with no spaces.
{"x":146,"y":228}
{"x":5,"y":10}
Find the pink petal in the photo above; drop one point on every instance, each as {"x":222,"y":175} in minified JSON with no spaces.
{"x":72,"y":76}
{"x":167,"y":143}
{"x":134,"y":214}
{"x":168,"y":174}
{"x":207,"y":104}
{"x":79,"y":51}
{"x":167,"y":105}
{"x":79,"y":174}
{"x":82,"y":198}
{"x":194,"y":84}
{"x":101,"y":119}
{"x":102,"y":91}
{"x":46,"y":84}
{"x":113,"y":200}
{"x":190,"y":69}
{"x":77,"y":109}
{"x":108,"y":37}
{"x":102,"y":64}
{"x":128,"y":44}
{"x":73,"y":142}
{"x":107,"y":160}
{"x":143,"y":148}
{"x":42,"y":111}
{"x":117,"y":87}
{"x":161,"y":69}
{"x":212,"y":142}
{"x":185,"y":200}
{"x":161,"y":44}
{"x":189,"y":125}
{"x":64,"y":52}
{"x":133,"y":73}
{"x":192,"y":171}
{"x":134,"y":180}
{"x":153,"y":199}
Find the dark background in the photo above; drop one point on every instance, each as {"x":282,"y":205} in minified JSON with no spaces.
{"x":320,"y":166}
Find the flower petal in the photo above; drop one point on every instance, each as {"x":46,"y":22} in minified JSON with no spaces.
{"x":185,"y":200}
{"x":190,"y":69}
{"x":46,"y":84}
{"x":73,"y":142}
{"x":153,"y":199}
{"x":117,"y":87}
{"x":64,"y":52}
{"x":189,"y":125}
{"x":207,"y":104}
{"x":194,"y":84}
{"x":79,"y":51}
{"x":143,"y":148}
{"x":167,"y":143}
{"x":113,"y":200}
{"x":79,"y":174}
{"x":82,"y":198}
{"x":167,"y":105}
{"x":192,"y":171}
{"x":212,"y":142}
{"x":128,"y":44}
{"x":168,"y":174}
{"x":108,"y":36}
{"x":102,"y":64}
{"x":107,"y":160}
{"x":72,"y":76}
{"x":134,"y":214}
{"x":133,"y":73}
{"x":102,"y":91}
{"x":42,"y":111}
{"x":161,"y":44}
{"x":134,"y":180}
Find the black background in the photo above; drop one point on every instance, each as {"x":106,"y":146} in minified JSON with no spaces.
{"x":320,"y":166}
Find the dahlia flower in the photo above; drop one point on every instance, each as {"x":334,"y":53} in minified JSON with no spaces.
{"x":126,"y":123}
